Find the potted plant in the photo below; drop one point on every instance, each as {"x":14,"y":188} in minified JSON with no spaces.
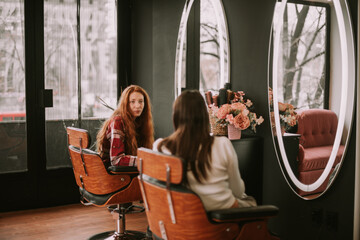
{"x":287,"y":114}
{"x":236,"y":116}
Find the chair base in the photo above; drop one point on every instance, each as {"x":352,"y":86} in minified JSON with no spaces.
{"x":128,"y":235}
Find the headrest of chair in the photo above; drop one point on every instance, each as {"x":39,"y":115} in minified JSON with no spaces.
{"x":154,"y":164}
{"x":317,"y":127}
{"x":74,"y":136}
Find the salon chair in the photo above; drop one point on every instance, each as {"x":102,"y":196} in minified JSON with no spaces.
{"x":175,"y":212}
{"x":116,"y":187}
{"x":317,"y":128}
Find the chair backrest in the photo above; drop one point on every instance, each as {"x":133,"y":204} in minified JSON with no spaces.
{"x":78,"y":137}
{"x":174,"y":211}
{"x":317,"y":127}
{"x":89,"y":169}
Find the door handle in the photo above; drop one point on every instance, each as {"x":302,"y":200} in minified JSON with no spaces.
{"x":46,"y":98}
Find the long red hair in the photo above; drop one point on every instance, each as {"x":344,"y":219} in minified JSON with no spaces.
{"x":139,"y":132}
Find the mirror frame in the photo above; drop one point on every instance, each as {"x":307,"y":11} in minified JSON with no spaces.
{"x":346,"y":102}
{"x":221,"y":17}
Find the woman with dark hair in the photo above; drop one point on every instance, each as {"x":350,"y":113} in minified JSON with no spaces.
{"x":129,"y":127}
{"x":211,"y":162}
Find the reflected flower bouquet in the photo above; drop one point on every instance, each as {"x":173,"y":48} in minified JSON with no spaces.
{"x":239,"y":113}
{"x":287,"y":113}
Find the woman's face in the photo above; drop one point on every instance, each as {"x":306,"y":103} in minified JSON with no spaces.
{"x":136,"y":102}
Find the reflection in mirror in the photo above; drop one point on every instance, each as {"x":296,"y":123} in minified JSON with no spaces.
{"x":312,"y":84}
{"x":305,"y":55}
{"x":213,"y":49}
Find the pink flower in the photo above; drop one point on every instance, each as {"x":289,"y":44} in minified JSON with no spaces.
{"x":238,"y":96}
{"x":286,"y":107}
{"x":292,"y":121}
{"x":245,"y":112}
{"x":238,"y":106}
{"x":242,"y":122}
{"x":282,"y":107}
{"x":248,"y":103}
{"x":230,"y":118}
{"x":223,"y":111}
{"x":260,"y":120}
{"x":237,"y":112}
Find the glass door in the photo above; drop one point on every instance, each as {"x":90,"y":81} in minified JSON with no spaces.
{"x":80,"y":70}
{"x":58,"y":68}
{"x":13,"y":148}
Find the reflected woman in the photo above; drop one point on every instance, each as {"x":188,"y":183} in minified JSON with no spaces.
{"x":211,"y":162}
{"x":129,"y":127}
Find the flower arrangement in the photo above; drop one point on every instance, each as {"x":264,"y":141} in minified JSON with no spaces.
{"x":238,"y":111}
{"x":287,"y":113}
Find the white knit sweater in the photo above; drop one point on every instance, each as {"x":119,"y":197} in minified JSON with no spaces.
{"x":224,"y":184}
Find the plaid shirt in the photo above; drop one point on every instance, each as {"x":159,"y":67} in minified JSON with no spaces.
{"x":114,"y":152}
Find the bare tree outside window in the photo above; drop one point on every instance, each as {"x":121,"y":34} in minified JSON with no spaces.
{"x":98,"y":45}
{"x":213,"y":72}
{"x":12,"y":60}
{"x":13,"y":147}
{"x":80,"y":56}
{"x":304,"y":48}
{"x":213,"y":46}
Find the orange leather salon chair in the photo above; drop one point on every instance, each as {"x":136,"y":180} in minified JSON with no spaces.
{"x":115,"y":187}
{"x":175,"y":212}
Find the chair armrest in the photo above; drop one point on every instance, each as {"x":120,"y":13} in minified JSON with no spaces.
{"x":122,"y":169}
{"x":242,"y":214}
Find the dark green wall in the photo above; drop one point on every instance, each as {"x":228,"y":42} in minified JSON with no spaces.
{"x":155,"y":25}
{"x":154,"y":55}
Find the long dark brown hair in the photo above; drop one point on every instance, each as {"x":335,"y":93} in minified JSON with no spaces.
{"x":139,"y":132}
{"x":191,"y":139}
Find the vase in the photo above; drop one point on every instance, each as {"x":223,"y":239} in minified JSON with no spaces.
{"x":233,"y":132}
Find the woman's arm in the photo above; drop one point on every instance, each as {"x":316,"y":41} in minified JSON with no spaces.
{"x":236,"y":183}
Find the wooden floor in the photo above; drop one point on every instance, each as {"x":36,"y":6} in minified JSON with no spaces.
{"x":70,"y":222}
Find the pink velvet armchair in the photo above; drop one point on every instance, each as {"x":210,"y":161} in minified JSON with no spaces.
{"x":317,"y":128}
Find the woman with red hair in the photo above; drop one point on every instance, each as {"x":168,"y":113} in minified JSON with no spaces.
{"x":129,"y":127}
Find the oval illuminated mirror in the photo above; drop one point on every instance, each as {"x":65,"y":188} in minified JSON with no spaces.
{"x":311,"y":91}
{"x":202,"y":52}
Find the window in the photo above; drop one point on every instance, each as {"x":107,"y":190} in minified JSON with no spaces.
{"x":80,"y":68}
{"x":305,"y":55}
{"x":13,"y":149}
{"x":213,"y":46}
